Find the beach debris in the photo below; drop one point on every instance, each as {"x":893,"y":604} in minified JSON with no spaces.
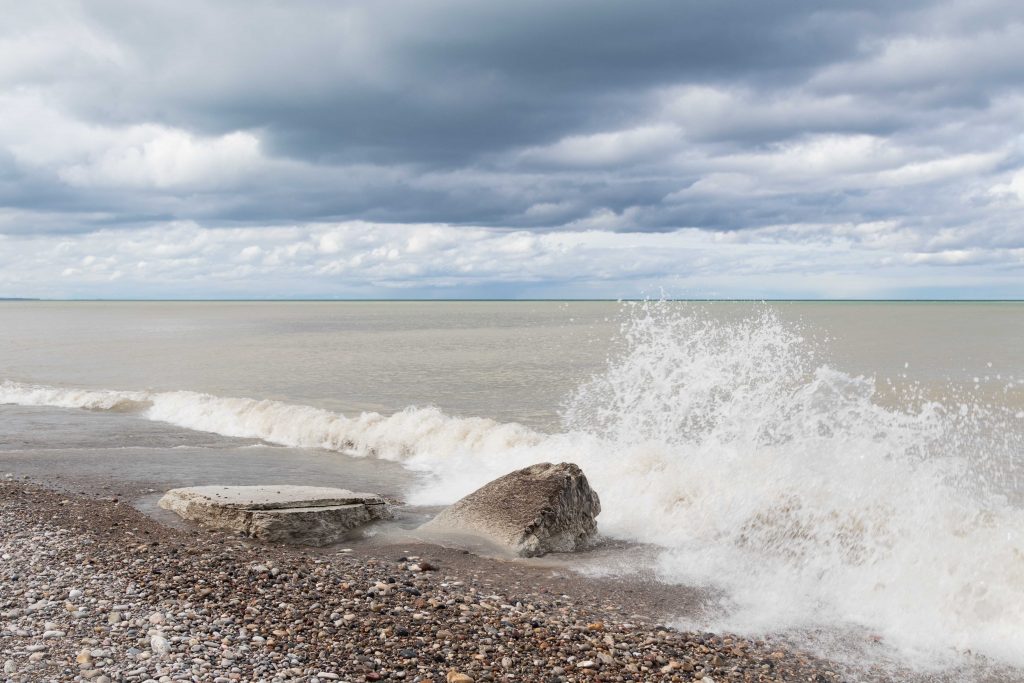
{"x":530,"y":512}
{"x":305,"y":515}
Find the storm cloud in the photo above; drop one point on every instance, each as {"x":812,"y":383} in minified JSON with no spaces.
{"x":889,"y":132}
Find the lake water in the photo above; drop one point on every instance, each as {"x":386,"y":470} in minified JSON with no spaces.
{"x":825,"y":466}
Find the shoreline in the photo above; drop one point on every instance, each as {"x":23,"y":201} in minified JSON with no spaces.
{"x":198,"y":605}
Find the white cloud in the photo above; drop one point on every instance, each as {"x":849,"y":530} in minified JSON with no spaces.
{"x":948,"y":61}
{"x":154,"y":156}
{"x":722,"y":112}
{"x":826,"y":155}
{"x":38,"y":43}
{"x":607,"y":219}
{"x":44,"y":138}
{"x":934,"y":170}
{"x":368,"y":259}
{"x":1014,"y":187}
{"x":645,"y":143}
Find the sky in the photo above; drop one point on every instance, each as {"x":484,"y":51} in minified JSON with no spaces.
{"x":528,"y":149}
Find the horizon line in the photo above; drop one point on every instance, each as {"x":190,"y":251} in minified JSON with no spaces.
{"x":510,"y":300}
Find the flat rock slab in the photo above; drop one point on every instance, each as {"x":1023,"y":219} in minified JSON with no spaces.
{"x":306,"y":515}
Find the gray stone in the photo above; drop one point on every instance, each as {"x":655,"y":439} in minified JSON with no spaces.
{"x":159,"y":645}
{"x":533,"y":511}
{"x":308,"y":515}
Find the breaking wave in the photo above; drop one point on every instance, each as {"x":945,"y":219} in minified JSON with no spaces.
{"x":757,"y":468}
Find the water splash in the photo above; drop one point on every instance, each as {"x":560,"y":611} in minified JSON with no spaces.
{"x":812,"y":500}
{"x":788,"y":484}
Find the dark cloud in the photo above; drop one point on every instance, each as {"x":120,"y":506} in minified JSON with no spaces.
{"x":644,"y":116}
{"x":447,"y":82}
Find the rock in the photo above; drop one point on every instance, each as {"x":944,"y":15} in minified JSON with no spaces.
{"x":10,"y":667}
{"x":159,"y":645}
{"x":74,"y":594}
{"x":308,"y":515}
{"x":458,"y":677}
{"x":536,"y":510}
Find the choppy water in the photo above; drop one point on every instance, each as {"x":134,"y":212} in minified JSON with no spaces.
{"x":827,"y":466}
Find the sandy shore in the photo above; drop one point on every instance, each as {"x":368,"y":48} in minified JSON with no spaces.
{"x":95,"y":590}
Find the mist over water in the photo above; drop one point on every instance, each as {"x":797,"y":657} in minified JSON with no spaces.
{"x":813,"y":497}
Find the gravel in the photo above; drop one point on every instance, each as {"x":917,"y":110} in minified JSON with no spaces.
{"x":93,"y":590}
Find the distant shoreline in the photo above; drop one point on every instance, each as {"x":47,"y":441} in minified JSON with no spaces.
{"x":514,"y":301}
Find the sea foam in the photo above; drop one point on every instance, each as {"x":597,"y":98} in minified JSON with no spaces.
{"x":757,"y":470}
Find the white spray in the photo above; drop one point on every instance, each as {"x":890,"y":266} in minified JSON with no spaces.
{"x":757,"y":470}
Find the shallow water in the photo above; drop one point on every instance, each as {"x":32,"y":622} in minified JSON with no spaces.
{"x":827,"y":467}
{"x":92,"y":452}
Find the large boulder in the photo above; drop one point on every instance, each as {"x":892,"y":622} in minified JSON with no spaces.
{"x":533,"y":511}
{"x":307,"y":515}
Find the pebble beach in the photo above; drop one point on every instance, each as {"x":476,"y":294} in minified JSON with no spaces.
{"x":93,"y":590}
